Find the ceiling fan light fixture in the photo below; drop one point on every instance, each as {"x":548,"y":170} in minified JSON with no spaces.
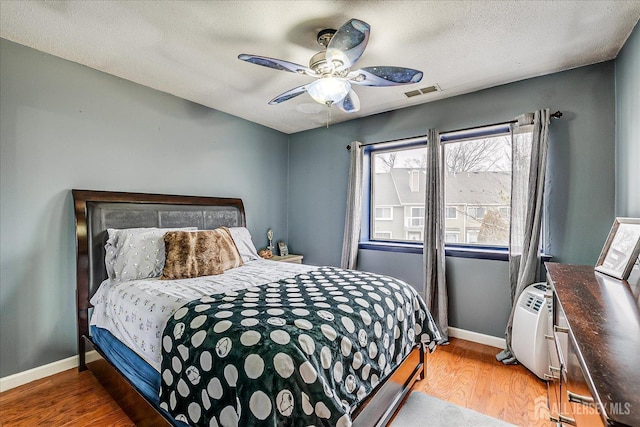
{"x":329,"y":90}
{"x":332,"y":69}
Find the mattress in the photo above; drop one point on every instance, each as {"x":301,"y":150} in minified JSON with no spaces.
{"x":136,"y":312}
{"x":139,"y":373}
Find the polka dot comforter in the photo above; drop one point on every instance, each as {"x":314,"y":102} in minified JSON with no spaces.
{"x":303,"y":351}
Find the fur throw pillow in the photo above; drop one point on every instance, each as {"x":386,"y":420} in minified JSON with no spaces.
{"x":199,"y":253}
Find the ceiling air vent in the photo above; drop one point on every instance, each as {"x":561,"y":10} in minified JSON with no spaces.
{"x":423,"y":91}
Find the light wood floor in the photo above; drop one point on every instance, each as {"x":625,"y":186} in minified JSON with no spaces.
{"x":463,"y":373}
{"x":468,"y":374}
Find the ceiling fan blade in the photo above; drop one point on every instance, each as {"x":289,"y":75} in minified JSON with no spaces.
{"x":348,"y":43}
{"x":384,"y":76}
{"x":291,"y":93}
{"x":277,"y":64}
{"x":350,"y":103}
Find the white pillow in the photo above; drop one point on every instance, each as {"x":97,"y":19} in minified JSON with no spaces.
{"x":136,"y":253}
{"x":242,"y":238}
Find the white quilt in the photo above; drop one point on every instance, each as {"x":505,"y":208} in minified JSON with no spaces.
{"x":137,"y":311}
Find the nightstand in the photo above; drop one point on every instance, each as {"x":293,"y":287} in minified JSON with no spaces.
{"x":294,"y":259}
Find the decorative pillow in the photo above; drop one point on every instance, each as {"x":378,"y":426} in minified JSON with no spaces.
{"x":199,"y":253}
{"x":242,"y":239}
{"x":136,"y":253}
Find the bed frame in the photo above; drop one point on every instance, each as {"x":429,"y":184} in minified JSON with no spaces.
{"x":95,"y":211}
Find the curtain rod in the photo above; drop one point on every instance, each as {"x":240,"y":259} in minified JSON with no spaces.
{"x":555,"y":115}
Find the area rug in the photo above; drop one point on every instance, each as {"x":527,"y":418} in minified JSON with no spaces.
{"x":420,"y":410}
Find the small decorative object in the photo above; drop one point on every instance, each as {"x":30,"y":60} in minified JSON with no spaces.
{"x":265,"y":253}
{"x":270,"y":237}
{"x":282,"y":247}
{"x":621,"y":249}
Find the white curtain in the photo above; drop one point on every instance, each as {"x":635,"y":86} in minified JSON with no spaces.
{"x":434,"y":257}
{"x":353,"y":215}
{"x":529,"y":164}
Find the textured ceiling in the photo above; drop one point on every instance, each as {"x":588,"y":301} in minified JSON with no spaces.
{"x":190,"y":48}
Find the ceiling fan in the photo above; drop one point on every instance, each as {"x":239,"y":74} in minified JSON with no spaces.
{"x":331,"y":68}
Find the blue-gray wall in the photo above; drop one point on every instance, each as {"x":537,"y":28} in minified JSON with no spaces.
{"x":628,"y":127}
{"x":66,"y":126}
{"x":580,"y":190}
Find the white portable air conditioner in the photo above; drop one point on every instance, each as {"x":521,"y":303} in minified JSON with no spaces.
{"x":530,"y":322}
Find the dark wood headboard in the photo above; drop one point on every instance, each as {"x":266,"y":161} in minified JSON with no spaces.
{"x":95,"y":211}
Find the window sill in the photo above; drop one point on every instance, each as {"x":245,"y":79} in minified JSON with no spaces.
{"x":496,"y":254}
{"x":410,"y":248}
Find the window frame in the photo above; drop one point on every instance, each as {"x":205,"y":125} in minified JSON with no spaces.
{"x":451,"y":249}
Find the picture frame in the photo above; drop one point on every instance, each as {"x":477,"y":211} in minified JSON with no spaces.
{"x":282,"y":248}
{"x":621,"y":248}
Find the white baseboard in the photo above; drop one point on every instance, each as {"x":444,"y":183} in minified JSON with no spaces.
{"x":477,"y":337}
{"x":21,"y":378}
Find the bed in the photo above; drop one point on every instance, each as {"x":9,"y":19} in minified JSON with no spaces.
{"x":204,"y":354}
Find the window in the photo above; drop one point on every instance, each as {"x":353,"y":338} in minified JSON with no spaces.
{"x":475,"y":213}
{"x":415,"y":181}
{"x":451,"y":237}
{"x":477,"y":178}
{"x":397,"y":184}
{"x":384,"y":213}
{"x":476,"y":167}
{"x":415,"y":218}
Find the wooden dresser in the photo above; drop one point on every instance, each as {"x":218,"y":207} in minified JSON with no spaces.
{"x":594,"y":349}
